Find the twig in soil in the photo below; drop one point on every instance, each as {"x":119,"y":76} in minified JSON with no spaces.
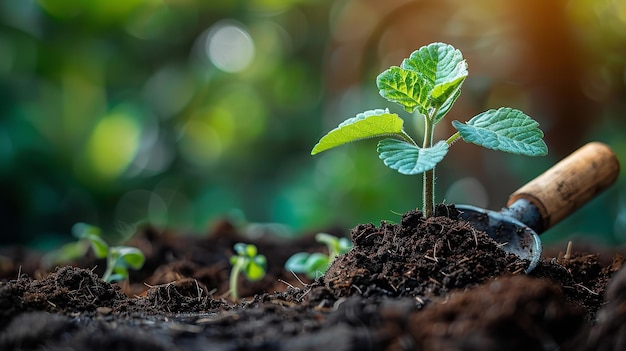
{"x":463,"y":260}
{"x":198,"y":289}
{"x":587,"y":289}
{"x":287,"y":283}
{"x":338,"y":303}
{"x":377,"y":233}
{"x":19,"y":272}
{"x":298,"y":278}
{"x":519,"y":270}
{"x":475,"y":236}
{"x":501,"y":245}
{"x":431,"y":258}
{"x":431,"y":279}
{"x":357,"y":289}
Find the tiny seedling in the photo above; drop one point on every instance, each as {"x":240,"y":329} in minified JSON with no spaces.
{"x":119,"y":258}
{"x":427,"y":84}
{"x":314,"y":264}
{"x":248,"y":261}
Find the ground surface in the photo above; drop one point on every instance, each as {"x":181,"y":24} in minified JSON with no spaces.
{"x":420,"y":284}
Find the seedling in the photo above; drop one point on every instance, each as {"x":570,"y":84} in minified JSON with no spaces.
{"x":427,"y":84}
{"x":248,"y":261}
{"x":314,"y":264}
{"x":119,"y":258}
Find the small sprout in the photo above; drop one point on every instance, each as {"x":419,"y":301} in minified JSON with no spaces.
{"x":248,"y":261}
{"x":317,"y":263}
{"x":427,"y":84}
{"x":119,"y":258}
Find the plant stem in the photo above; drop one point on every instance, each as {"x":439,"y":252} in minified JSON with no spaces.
{"x":429,"y":176}
{"x":109,"y":270}
{"x":451,"y":140}
{"x":234,"y":277}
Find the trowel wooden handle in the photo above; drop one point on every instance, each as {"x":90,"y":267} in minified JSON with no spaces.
{"x":570,"y":183}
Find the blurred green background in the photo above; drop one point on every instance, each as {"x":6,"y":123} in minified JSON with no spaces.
{"x":179,"y":112}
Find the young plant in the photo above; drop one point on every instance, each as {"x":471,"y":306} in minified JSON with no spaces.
{"x":317,"y":263}
{"x":428,"y":83}
{"x":248,"y":261}
{"x":119,"y":258}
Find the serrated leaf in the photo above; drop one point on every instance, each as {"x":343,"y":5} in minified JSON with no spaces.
{"x":365,"y":125}
{"x":409,"y":159}
{"x":404,"y":87}
{"x":505,"y":129}
{"x":429,"y":80}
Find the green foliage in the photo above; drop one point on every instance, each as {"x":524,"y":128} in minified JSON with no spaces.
{"x":369,"y":124}
{"x":429,"y":82}
{"x":504,"y":129}
{"x":317,"y":263}
{"x":248,"y":261}
{"x":119,"y":258}
{"x":408,"y":158}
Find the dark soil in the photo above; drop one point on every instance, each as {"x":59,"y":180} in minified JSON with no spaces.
{"x":422,"y":284}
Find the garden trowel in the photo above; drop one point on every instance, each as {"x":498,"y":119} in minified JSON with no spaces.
{"x":546,"y":200}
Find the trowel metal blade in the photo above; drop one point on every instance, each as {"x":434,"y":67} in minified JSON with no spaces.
{"x":515,"y":237}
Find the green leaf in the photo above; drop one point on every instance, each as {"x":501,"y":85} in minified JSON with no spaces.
{"x":99,"y":246}
{"x":251,"y":250}
{"x":365,"y":125}
{"x":297,"y":262}
{"x":410,"y":159}
{"x":404,"y":87}
{"x":505,"y":129}
{"x":81,"y":230}
{"x":329,"y":240}
{"x":310,"y":264}
{"x":131,"y":256}
{"x":245,"y":250}
{"x":256,"y":267}
{"x":344,"y":245}
{"x":447,"y":105}
{"x":429,"y":80}
{"x":120,"y":270}
{"x":317,"y":263}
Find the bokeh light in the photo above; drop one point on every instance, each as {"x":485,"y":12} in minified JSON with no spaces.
{"x":176,"y":113}
{"x":229,"y":47}
{"x":112,"y":145}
